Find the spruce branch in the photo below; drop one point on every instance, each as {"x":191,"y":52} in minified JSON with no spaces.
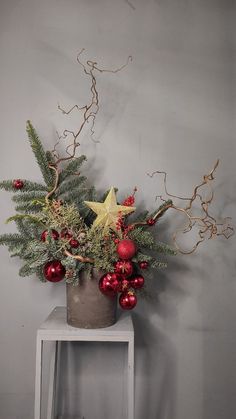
{"x":25,"y":216}
{"x":8,"y":186}
{"x":40,"y":154}
{"x":28,"y":197}
{"x":75,"y":196}
{"x":156,"y":264}
{"x":164,"y":248}
{"x":73,"y":184}
{"x":40,"y":275}
{"x":71,"y":168}
{"x":26,"y":270}
{"x":11,"y":239}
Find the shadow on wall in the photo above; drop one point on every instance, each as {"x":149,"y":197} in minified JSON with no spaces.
{"x":155,"y":363}
{"x":155,"y":352}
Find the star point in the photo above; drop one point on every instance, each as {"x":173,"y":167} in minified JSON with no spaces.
{"x":108,"y":212}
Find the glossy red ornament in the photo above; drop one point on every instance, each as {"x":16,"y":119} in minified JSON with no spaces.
{"x":151,"y":222}
{"x":126,"y":249}
{"x":54,"y":271}
{"x":54,"y":234}
{"x":109,"y":284}
{"x":124,"y":267}
{"x":143,"y":264}
{"x":74,"y":243}
{"x":124,"y":285}
{"x":128,"y":300}
{"x":18,"y":184}
{"x":137,"y":282}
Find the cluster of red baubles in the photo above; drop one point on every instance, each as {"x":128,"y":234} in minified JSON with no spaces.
{"x":123,"y":280}
{"x":65,"y":234}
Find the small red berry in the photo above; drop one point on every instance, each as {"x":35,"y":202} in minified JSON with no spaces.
{"x":74,"y":243}
{"x":54,"y":235}
{"x":143,"y":264}
{"x":151,"y":221}
{"x":18,"y":184}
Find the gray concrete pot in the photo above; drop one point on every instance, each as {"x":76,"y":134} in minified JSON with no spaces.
{"x":87,"y":307}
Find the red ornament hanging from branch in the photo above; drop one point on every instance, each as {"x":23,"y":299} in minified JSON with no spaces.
{"x":54,"y":271}
{"x":126,"y":249}
{"x":128,"y":300}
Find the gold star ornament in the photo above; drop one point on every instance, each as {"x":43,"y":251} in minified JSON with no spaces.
{"x":108,"y":212}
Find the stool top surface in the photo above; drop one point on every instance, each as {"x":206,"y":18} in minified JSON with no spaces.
{"x":56,"y":326}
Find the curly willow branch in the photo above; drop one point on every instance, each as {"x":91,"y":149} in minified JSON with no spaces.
{"x":89,"y":111}
{"x":79,"y":257}
{"x":206,"y":224}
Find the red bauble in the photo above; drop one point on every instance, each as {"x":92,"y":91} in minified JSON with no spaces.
{"x":124,"y":285}
{"x":126,"y":249}
{"x":54,"y":235}
{"x":124,"y":267}
{"x":137,"y":282}
{"x":143,"y":264}
{"x":74,"y":243}
{"x":109,"y":284}
{"x":54,"y":271}
{"x":151,"y":222}
{"x":128,"y":300}
{"x":18,"y":184}
{"x":65,"y":234}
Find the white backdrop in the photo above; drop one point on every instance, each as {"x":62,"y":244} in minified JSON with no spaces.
{"x":170,"y":109}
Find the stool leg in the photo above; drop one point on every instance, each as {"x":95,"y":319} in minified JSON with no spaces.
{"x":131,"y":379}
{"x":38,"y":379}
{"x":52,"y":381}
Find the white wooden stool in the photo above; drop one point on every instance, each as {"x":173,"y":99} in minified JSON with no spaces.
{"x":56,"y":329}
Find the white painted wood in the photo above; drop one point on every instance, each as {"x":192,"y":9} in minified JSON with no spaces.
{"x":52,"y":381}
{"x":130,"y":374}
{"x":38,"y":378}
{"x":55,"y":328}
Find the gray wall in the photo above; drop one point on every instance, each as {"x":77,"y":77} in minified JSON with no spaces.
{"x":171,"y":109}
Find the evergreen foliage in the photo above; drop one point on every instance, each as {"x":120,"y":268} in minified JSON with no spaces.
{"x":40,"y":154}
{"x":8,"y":186}
{"x":102,"y":251}
{"x":38,"y":210}
{"x":72,"y":168}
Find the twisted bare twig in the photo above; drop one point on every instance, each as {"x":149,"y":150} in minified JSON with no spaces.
{"x":79,"y":257}
{"x":50,"y":193}
{"x":89,"y":111}
{"x":207,"y":225}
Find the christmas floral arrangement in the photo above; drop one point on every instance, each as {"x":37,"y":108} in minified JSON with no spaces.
{"x":65,"y":227}
{"x":62,"y":230}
